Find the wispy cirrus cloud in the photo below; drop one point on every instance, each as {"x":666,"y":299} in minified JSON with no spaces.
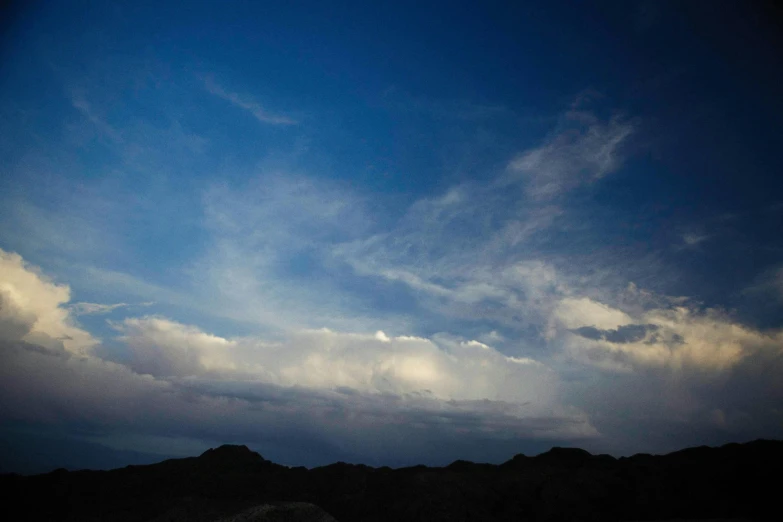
{"x":474,"y":251}
{"x":246,"y":103}
{"x":99,"y":309}
{"x":586,"y":150}
{"x":80,"y":102}
{"x":768,"y":284}
{"x":694,"y":239}
{"x":269,"y":257}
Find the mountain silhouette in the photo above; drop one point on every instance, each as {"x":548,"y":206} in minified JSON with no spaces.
{"x":234,"y":483}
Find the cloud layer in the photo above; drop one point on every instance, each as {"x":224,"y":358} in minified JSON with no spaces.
{"x":336,"y":389}
{"x":352,"y":390}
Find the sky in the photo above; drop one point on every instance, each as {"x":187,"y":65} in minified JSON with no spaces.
{"x":388,"y":232}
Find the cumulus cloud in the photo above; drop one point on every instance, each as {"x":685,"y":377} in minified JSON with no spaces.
{"x":32,"y":308}
{"x":165,"y":348}
{"x":443,"y":368}
{"x":572,"y":312}
{"x":662,"y":372}
{"x":678,"y":337}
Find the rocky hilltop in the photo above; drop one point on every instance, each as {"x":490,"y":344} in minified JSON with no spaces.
{"x":736,"y":481}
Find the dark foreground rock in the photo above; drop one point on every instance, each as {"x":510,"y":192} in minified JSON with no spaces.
{"x":736,"y":481}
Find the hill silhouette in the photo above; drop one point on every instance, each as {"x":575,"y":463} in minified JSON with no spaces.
{"x":735,"y":481}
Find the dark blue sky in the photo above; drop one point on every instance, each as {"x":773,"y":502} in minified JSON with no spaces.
{"x":364,"y":229}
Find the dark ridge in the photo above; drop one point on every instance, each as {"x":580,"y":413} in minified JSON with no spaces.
{"x":565,"y":456}
{"x":231,"y":453}
{"x":736,"y":481}
{"x":466,"y":465}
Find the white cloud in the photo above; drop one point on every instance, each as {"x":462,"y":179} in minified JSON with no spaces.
{"x":709,"y":339}
{"x":164,"y":348}
{"x":677,"y":337}
{"x":247,"y":103}
{"x":444,"y":368}
{"x":576,"y":312}
{"x":662,"y":373}
{"x":31,"y":308}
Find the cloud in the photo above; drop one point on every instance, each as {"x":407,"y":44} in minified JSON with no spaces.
{"x":692,"y":239}
{"x":127,"y":284}
{"x":362,"y":395}
{"x":482,"y":252}
{"x":667,"y":372}
{"x":768,"y":284}
{"x":573,"y":312}
{"x":80,"y":103}
{"x":354,"y":390}
{"x":463,"y":247}
{"x":678,"y":337}
{"x":62,"y":230}
{"x":31,"y":308}
{"x":95,"y":308}
{"x":164,"y":348}
{"x":102,"y":398}
{"x":443,"y":368}
{"x":586,"y":151}
{"x":662,"y":372}
{"x":624,"y":334}
{"x":270,"y":262}
{"x":247,"y":103}
{"x":98,"y":308}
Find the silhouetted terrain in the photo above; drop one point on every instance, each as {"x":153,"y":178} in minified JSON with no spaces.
{"x":740,"y":481}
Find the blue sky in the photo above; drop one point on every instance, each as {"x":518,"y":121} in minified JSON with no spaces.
{"x":391,"y":232}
